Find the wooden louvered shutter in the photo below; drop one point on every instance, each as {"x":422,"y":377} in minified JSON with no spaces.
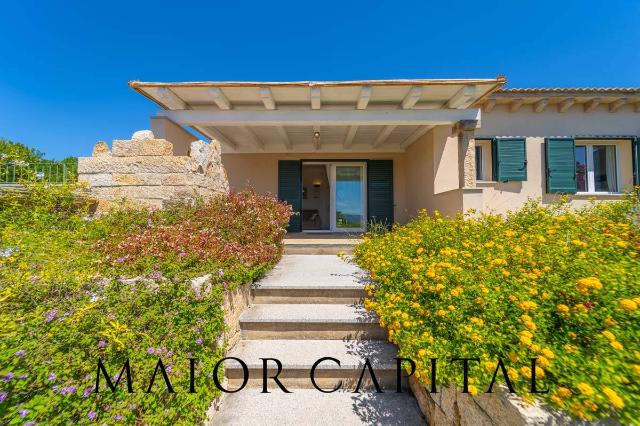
{"x":560,"y":165}
{"x":380,"y":191}
{"x":290,"y":190}
{"x":509,"y":159}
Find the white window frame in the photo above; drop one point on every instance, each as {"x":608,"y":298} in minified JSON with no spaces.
{"x":591,"y":183}
{"x":486,"y":164}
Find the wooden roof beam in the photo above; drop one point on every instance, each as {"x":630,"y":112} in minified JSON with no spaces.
{"x":383,"y":135}
{"x":284,"y":137}
{"x":417,"y":134}
{"x":540,"y":105}
{"x":315,"y":98}
{"x":267,"y":98}
{"x":219,"y":98}
{"x":365,"y":96}
{"x":412,"y":97}
{"x":351,"y":134}
{"x":566,"y":104}
{"x":220,"y":137}
{"x":515,"y":104}
{"x":617,"y":104}
{"x":255,"y":140}
{"x":489,"y":105}
{"x":463,"y":98}
{"x":591,"y":105}
{"x":170,"y":99}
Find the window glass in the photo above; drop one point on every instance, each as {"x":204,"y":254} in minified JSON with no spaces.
{"x":581,"y":168}
{"x":604,"y":168}
{"x":479,"y":174}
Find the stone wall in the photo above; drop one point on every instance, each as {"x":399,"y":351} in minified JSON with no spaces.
{"x":144,"y":171}
{"x":450,"y":407}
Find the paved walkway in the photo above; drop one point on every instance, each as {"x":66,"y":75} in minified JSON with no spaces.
{"x":306,"y":308}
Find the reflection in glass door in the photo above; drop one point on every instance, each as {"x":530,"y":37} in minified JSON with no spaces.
{"x":349,"y":197}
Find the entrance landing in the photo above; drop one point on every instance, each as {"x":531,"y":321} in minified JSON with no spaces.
{"x":320,"y":243}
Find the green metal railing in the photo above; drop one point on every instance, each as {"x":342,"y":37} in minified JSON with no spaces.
{"x":50,"y":172}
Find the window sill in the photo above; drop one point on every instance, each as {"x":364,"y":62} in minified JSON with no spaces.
{"x":600,"y":194}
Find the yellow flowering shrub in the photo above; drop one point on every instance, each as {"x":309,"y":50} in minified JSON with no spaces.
{"x":544,"y":282}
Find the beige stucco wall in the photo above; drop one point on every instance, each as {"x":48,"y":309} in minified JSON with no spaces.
{"x":260,"y":171}
{"x":502,"y":196}
{"x":180,"y":138}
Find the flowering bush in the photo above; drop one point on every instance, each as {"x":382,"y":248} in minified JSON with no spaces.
{"x":75,"y":289}
{"x":543,"y":282}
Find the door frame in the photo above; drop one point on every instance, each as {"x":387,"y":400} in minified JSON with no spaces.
{"x":332,"y":197}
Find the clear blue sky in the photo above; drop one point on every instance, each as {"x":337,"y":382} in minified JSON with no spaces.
{"x":64,"y":66}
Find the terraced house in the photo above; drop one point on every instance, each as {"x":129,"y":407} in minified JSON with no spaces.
{"x":346,"y":153}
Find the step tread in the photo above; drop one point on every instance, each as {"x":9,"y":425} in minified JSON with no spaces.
{"x":317,"y":271}
{"x":310,"y":407}
{"x":302,"y":354}
{"x":308,"y":313}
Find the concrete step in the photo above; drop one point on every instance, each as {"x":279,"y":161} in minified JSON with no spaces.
{"x":318,"y":249}
{"x":298,"y":356}
{"x":308,"y":294}
{"x":309,"y":407}
{"x":309,"y":321}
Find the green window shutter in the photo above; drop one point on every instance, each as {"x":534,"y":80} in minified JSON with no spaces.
{"x":290,"y":190}
{"x":635,"y":155}
{"x":380,"y":191}
{"x":560,"y":159}
{"x":509,"y":159}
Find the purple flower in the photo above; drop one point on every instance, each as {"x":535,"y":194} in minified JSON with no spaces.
{"x":23,"y":376}
{"x":68,"y":390}
{"x":7,"y":378}
{"x":198,"y":341}
{"x":51,"y":315}
{"x":155,"y":275}
{"x":52,"y":376}
{"x":86,"y":392}
{"x":20,"y":353}
{"x":92,"y":415}
{"x":3,"y":396}
{"x":30,"y":423}
{"x":23,"y":413}
{"x":102,"y":344}
{"x":220,"y":273}
{"x":118,"y":417}
{"x":120,"y":260}
{"x":150,"y":350}
{"x":181,"y":253}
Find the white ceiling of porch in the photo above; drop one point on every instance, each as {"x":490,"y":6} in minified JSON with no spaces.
{"x":312,"y":99}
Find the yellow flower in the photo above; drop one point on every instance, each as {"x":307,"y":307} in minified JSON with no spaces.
{"x":628,"y":305}
{"x":609,"y":335}
{"x":585,"y":389}
{"x":422,"y":352}
{"x":420,"y":250}
{"x":513,"y":357}
{"x":563,"y":309}
{"x":548,"y":353}
{"x":526,"y":372}
{"x":525,"y":340}
{"x":614,"y":399}
{"x":543,"y":362}
{"x":528,"y":305}
{"x":616,"y":345}
{"x":473,"y":390}
{"x":563,"y":392}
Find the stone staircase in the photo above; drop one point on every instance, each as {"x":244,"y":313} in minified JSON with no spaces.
{"x":305,"y":309}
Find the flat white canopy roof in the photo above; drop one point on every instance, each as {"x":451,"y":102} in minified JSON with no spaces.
{"x":384,"y":115}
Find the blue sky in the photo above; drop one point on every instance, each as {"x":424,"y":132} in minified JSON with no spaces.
{"x":64,"y":66}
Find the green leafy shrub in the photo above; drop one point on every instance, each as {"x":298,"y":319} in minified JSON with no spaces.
{"x":74,"y":289}
{"x":547,"y":283}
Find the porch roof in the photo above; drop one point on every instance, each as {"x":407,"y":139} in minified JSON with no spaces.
{"x":367,"y":115}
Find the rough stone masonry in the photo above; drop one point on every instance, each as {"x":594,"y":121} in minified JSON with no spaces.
{"x":144,"y":171}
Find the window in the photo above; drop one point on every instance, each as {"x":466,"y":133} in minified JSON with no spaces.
{"x":596,"y":168}
{"x":479,"y":163}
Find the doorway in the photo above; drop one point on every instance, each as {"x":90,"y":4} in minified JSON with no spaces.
{"x":333,"y":196}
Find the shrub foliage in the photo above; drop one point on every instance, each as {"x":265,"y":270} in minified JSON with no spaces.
{"x":543,"y":282}
{"x":74,"y":289}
